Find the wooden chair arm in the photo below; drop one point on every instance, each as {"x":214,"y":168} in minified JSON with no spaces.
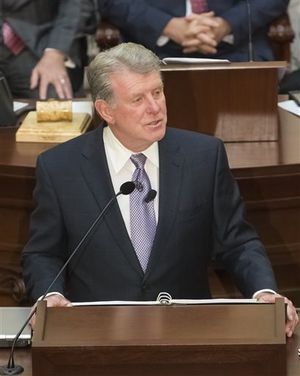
{"x":107,"y":35}
{"x":280,"y":30}
{"x":281,"y":36}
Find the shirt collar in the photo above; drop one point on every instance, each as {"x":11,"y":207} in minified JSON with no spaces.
{"x":119,"y":154}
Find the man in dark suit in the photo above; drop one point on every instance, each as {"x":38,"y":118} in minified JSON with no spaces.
{"x":222,"y":32}
{"x":144,"y":244}
{"x":290,"y":82}
{"x":43,"y":46}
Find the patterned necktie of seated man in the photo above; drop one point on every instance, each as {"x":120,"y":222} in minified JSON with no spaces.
{"x":11,"y":40}
{"x":199,"y":6}
{"x":142,"y":215}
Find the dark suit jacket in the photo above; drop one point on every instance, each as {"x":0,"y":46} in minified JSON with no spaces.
{"x":56,"y":24}
{"x":199,"y":203}
{"x":142,"y":21}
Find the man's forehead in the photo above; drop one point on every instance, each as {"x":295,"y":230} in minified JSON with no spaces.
{"x":133,"y":80}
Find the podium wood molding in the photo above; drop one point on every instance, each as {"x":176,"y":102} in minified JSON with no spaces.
{"x":230,"y":339}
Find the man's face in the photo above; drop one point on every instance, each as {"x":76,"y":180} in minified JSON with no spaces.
{"x":138,"y":115}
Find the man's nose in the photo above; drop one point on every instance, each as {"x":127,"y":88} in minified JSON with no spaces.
{"x":152,"y":104}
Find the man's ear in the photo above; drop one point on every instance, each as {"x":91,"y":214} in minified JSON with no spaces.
{"x":104,"y":109}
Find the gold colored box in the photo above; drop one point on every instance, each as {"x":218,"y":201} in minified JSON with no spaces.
{"x":31,"y":130}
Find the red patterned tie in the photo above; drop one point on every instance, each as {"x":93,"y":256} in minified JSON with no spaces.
{"x":11,"y":40}
{"x":199,"y":6}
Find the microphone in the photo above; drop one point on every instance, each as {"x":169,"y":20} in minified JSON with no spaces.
{"x":13,"y":369}
{"x":150,"y":196}
{"x":250,"y":44}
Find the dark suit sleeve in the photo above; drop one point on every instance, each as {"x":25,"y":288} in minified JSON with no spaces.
{"x":241,"y":252}
{"x":14,"y":5}
{"x":140,"y":21}
{"x":262,"y":13}
{"x":45,"y":252}
{"x":73,"y":19}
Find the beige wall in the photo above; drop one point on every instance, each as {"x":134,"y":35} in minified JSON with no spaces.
{"x":294,"y":13}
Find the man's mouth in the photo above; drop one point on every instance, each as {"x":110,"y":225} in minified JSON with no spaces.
{"x":154,"y":123}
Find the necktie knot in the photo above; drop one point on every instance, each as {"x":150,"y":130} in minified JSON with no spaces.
{"x":138,"y":160}
{"x":199,"y":6}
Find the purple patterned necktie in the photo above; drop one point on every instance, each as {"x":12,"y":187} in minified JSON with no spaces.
{"x":199,"y":6}
{"x":142,"y":215}
{"x":11,"y":40}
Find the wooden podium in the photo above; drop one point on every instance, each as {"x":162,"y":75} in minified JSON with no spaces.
{"x":160,"y":340}
{"x":235,"y":102}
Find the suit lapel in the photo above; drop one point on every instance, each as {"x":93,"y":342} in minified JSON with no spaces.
{"x":95,"y":171}
{"x":170,"y":177}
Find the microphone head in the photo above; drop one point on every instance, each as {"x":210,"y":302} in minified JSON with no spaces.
{"x":151,"y":195}
{"x":127,"y":188}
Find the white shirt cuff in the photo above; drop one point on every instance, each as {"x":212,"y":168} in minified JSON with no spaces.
{"x":263,"y":290}
{"x":162,"y":40}
{"x":49,"y":294}
{"x":228,"y":39}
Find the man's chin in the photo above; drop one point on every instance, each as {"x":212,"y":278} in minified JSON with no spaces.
{"x":159,"y":132}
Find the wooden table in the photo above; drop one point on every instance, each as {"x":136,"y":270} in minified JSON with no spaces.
{"x":23,"y":357}
{"x":268,"y":174}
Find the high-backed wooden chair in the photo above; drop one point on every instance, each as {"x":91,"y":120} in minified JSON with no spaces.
{"x":280,"y":33}
{"x":107,"y":35}
{"x":281,"y":36}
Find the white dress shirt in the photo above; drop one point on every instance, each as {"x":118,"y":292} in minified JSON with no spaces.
{"x":121,"y":170}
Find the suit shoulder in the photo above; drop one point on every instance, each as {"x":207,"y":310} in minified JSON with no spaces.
{"x":186,"y":138}
{"x":70,"y":150}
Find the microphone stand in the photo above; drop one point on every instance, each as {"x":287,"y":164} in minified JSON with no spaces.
{"x":250,"y":44}
{"x":12,"y":369}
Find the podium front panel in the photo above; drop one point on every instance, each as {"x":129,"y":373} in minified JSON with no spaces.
{"x":160,"y":340}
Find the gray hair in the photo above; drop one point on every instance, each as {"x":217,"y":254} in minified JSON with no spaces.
{"x":125,"y":56}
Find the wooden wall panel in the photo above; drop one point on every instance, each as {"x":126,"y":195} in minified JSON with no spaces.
{"x":15,"y":208}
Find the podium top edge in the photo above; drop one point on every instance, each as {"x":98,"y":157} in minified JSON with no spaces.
{"x":225,"y":66}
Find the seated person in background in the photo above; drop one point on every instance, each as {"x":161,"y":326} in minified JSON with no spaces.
{"x":180,"y":28}
{"x":43,"y":46}
{"x":291,"y":81}
{"x":143,"y":245}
